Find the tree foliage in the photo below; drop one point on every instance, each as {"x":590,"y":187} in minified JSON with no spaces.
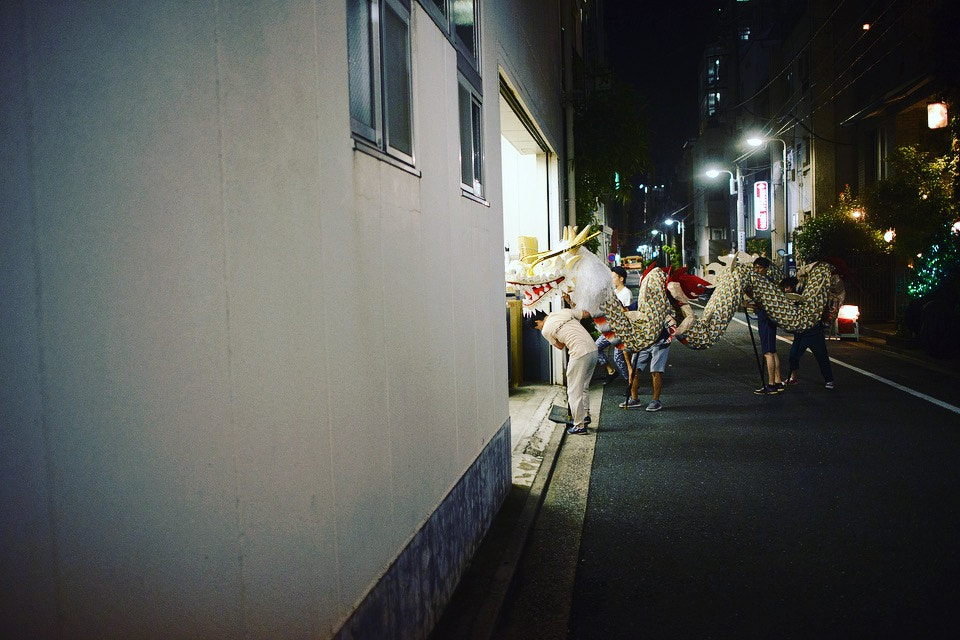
{"x":938,"y":267}
{"x":673,"y":256}
{"x":835,"y":233}
{"x":759,"y":247}
{"x":610,"y":140}
{"x":916,"y":201}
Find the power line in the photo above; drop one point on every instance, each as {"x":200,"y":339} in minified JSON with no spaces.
{"x":820,"y":100}
{"x":792,"y":60}
{"x":796,"y":95}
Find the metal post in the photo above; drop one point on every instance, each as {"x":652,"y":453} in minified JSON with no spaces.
{"x":741,"y":234}
{"x":683,"y":244}
{"x":786,"y":205}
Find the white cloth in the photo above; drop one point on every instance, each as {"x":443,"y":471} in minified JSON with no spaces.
{"x":625,"y":295}
{"x":563,"y":327}
{"x":579,"y":373}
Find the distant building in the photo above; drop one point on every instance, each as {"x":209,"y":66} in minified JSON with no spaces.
{"x":832,"y":88}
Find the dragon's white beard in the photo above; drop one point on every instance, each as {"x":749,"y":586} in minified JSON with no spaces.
{"x":593,"y":282}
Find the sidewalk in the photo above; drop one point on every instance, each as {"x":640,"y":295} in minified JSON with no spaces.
{"x":476,"y":606}
{"x":884,"y":336}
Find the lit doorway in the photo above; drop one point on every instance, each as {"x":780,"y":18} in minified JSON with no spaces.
{"x":531,"y":207}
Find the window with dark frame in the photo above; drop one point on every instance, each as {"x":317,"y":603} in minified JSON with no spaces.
{"x":713,"y":71}
{"x":713,"y":102}
{"x":464,"y":20}
{"x":380,"y":75}
{"x":459,"y":20}
{"x":471,"y":139}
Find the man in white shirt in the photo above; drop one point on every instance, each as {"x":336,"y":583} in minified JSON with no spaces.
{"x":563,"y":330}
{"x":619,"y":276}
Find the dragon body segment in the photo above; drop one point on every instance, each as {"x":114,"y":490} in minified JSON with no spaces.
{"x":570,"y":269}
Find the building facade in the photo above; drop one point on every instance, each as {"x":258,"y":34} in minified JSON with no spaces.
{"x":253,"y":358}
{"x":827,"y":91}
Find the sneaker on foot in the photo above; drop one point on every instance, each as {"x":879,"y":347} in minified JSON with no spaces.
{"x":764,"y":390}
{"x":829,"y":385}
{"x":654,"y":406}
{"x":630,"y":404}
{"x":791,"y":381}
{"x":575,"y":430}
{"x":777,"y":388}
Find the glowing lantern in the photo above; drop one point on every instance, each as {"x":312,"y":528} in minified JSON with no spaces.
{"x":936,"y":115}
{"x":849,"y":312}
{"x":847,"y":326}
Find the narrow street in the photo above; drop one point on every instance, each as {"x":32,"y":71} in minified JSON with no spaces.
{"x":809,"y":514}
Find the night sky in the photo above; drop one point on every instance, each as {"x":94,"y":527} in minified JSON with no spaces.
{"x":657,"y":46}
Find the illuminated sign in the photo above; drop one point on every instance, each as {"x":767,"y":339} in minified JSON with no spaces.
{"x":761,"y":205}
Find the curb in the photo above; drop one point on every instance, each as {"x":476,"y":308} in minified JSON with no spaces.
{"x":475,"y":608}
{"x":488,"y":616}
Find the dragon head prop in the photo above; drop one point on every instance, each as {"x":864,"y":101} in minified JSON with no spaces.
{"x":691,"y":285}
{"x":541,"y":277}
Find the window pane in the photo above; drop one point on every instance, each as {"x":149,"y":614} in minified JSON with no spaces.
{"x":396,"y":59}
{"x":464,"y":24}
{"x":466,"y":137}
{"x":360,"y":62}
{"x":477,"y":146}
{"x":442,"y":5}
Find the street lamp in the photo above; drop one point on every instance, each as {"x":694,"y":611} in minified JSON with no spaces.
{"x":657,"y":236}
{"x":683,"y":235}
{"x":756,"y":141}
{"x":734,"y":188}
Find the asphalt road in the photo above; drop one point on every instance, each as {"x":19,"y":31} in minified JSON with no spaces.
{"x":813,"y":513}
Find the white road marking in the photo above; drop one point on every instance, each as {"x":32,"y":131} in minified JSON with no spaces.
{"x":913,"y":392}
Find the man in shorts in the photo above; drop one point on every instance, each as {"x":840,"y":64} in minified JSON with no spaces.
{"x":655,"y":357}
{"x":767,"y":330}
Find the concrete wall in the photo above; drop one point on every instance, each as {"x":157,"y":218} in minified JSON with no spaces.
{"x":525,"y":44}
{"x":242,"y":364}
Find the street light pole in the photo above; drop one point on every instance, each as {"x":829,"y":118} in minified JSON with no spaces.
{"x":683,"y":243}
{"x":682,"y":228}
{"x":756,"y":142}
{"x":741,"y":232}
{"x":741,"y":235}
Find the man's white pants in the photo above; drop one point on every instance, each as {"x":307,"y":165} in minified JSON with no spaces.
{"x":579,"y":373}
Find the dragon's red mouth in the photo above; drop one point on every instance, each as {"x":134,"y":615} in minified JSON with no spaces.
{"x":533,"y":293}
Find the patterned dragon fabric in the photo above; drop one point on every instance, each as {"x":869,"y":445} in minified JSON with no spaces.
{"x":543,"y":277}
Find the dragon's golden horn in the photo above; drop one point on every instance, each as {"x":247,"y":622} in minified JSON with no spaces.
{"x":582,"y":236}
{"x":571,"y":241}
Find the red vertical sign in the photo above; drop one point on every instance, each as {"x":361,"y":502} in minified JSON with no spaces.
{"x":761,"y":205}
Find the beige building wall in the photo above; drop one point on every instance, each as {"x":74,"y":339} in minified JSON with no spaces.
{"x":242,"y":363}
